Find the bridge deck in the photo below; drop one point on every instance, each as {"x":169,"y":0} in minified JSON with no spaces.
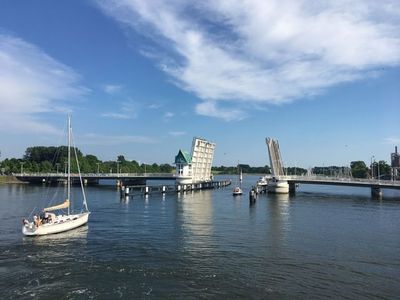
{"x":97,"y":176}
{"x":323,"y":180}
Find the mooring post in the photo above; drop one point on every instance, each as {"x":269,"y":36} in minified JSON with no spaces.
{"x":252,"y":195}
{"x":126,"y":191}
{"x":146,"y":190}
{"x":163,"y":189}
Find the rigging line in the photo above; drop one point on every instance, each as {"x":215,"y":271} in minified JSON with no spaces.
{"x":79,"y":172}
{"x":46,"y":192}
{"x":31,"y":212}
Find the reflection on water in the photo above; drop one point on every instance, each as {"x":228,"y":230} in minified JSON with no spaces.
{"x":197,"y":219}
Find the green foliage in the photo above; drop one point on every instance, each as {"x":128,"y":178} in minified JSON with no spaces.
{"x":53,"y":159}
{"x":245,"y":169}
{"x":295,"y":171}
{"x":381,"y":169}
{"x":359,"y":169}
{"x":332,"y":171}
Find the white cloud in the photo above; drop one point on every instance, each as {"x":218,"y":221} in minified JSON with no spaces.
{"x":116,"y":116}
{"x":168,"y":115}
{"x":177,"y":133}
{"x":128,"y":110}
{"x":98,"y":139}
{"x":112,"y":88}
{"x":210,"y":108}
{"x":155,"y":106}
{"x":392,"y":140}
{"x":261,"y":51}
{"x":32,"y":83}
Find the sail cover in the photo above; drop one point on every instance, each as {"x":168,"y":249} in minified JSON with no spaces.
{"x":59,"y":206}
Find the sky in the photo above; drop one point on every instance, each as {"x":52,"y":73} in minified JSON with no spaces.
{"x":142,"y":78}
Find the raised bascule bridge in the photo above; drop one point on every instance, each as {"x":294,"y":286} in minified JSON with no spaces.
{"x":278,"y":182}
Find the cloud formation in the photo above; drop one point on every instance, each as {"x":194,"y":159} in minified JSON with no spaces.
{"x":259,"y":51}
{"x":32,"y":83}
{"x":112,"y":88}
{"x":107,"y":140}
{"x":177,"y":133}
{"x":128,"y":110}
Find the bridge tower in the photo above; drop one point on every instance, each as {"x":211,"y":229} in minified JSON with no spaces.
{"x":275,"y":158}
{"x":277,"y":184}
{"x":196,"y":167}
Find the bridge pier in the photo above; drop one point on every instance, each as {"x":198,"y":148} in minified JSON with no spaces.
{"x":292,"y":188}
{"x":376,"y":192}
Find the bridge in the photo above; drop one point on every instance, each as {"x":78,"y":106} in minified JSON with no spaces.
{"x":376,"y":185}
{"x":93,"y":178}
{"x":278,"y":182}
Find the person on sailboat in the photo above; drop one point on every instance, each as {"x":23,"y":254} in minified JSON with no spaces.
{"x":36,"y":221}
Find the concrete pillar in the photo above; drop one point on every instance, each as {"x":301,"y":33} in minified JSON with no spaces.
{"x":178,"y":188}
{"x":376,"y":192}
{"x":292,"y":188}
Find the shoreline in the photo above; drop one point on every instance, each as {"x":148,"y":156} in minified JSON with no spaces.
{"x":9,"y":179}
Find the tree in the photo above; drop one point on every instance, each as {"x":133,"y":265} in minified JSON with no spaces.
{"x":381,"y":170}
{"x":359,"y":169}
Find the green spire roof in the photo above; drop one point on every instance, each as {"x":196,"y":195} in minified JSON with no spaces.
{"x":183,"y":157}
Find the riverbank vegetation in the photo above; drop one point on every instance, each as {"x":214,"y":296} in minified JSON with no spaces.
{"x":54,"y":159}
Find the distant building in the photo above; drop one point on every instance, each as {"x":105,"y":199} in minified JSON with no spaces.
{"x":195,"y":167}
{"x":395,"y":158}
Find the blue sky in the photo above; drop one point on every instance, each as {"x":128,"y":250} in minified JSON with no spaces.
{"x":142,"y":78}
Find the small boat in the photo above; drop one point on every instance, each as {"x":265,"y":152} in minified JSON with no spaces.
{"x":49,"y":222}
{"x":262,"y":181}
{"x":238,"y":189}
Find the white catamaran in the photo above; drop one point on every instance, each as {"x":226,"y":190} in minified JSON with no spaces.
{"x":50,"y":222}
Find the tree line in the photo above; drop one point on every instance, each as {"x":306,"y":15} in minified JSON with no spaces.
{"x":54,"y":159}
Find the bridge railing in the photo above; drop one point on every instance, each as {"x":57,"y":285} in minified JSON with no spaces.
{"x":94,"y":175}
{"x":338,"y":179}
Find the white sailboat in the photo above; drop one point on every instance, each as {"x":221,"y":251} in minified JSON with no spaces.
{"x":51,"y":222}
{"x":238,"y":189}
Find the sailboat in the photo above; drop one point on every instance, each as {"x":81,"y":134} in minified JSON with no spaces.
{"x":52,"y":219}
{"x":238,"y":189}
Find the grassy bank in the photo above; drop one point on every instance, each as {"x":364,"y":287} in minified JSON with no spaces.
{"x":4,"y":179}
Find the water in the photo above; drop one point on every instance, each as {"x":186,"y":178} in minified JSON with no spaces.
{"x":319,"y":244}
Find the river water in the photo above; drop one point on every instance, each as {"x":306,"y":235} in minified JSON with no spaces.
{"x":324,"y":242}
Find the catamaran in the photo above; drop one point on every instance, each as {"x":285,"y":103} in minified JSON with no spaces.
{"x":52,"y":220}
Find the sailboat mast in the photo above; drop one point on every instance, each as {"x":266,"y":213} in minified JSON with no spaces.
{"x":69,"y":161}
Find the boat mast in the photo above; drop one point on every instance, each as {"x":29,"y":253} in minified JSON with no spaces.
{"x":69,"y":161}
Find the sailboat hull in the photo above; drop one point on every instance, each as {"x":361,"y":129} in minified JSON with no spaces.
{"x":61,"y":223}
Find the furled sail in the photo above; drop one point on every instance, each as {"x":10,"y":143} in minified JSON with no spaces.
{"x":60,"y":206}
